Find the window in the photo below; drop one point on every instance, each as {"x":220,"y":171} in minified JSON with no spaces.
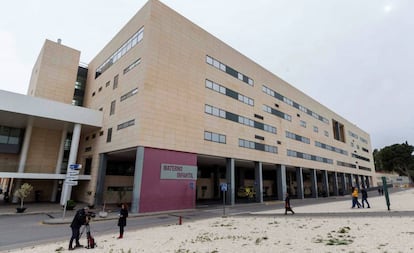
{"x":277,"y":113}
{"x":214,"y":137}
{"x":292,"y":103}
{"x":331,"y":148}
{"x":129,"y":94}
{"x":297,"y":137}
{"x":315,"y":129}
{"x":228,"y":92}
{"x":115,"y":82}
{"x":126,"y":124}
{"x":112,"y":110}
{"x":221,"y":66}
{"x":303,"y":123}
{"x":109,"y":135}
{"x":128,"y":45}
{"x":108,"y":83}
{"x":338,"y":130}
{"x":309,"y":156}
{"x":258,"y":116}
{"x":257,"y":146}
{"x":132,"y":65}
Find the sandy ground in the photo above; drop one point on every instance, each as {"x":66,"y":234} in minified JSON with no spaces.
{"x":265,"y":232}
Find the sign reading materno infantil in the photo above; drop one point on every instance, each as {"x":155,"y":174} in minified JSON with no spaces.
{"x":175,"y":171}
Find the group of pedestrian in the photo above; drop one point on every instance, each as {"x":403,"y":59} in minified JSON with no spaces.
{"x":82,"y":218}
{"x":355,"y":202}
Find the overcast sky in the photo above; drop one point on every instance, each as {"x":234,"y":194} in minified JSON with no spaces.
{"x":355,"y":57}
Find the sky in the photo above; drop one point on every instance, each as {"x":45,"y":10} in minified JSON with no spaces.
{"x":354,"y":57}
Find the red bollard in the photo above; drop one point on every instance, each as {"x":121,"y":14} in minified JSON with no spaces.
{"x":180,"y":220}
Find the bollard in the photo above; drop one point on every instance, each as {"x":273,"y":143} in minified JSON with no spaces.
{"x":180,"y":220}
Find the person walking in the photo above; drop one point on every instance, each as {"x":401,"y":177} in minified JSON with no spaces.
{"x":365,"y":197}
{"x":78,"y":220}
{"x":355,"y":201}
{"x":287,"y":204}
{"x":123,"y":214}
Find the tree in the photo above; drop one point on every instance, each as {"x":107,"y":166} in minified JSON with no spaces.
{"x":397,"y":157}
{"x":23,"y":192}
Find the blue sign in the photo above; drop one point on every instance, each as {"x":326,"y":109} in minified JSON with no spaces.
{"x":223,"y":187}
{"x":75,"y":166}
{"x":191,"y":185}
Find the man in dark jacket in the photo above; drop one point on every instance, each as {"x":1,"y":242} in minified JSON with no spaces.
{"x":287,"y":204}
{"x":365,"y":197}
{"x":77,"y":222}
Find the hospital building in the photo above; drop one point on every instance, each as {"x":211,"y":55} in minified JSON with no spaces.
{"x":166,"y":117}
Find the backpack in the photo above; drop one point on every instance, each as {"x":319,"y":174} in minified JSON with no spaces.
{"x":91,"y":242}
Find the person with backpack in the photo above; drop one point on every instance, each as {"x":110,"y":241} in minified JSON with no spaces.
{"x":78,"y":221}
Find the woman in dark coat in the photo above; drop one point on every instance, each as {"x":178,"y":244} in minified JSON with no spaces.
{"x":123,"y":214}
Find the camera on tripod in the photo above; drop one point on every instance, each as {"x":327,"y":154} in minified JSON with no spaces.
{"x":90,"y":214}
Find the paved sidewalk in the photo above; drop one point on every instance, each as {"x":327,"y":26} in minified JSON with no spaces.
{"x":55,"y":211}
{"x":398,"y":199}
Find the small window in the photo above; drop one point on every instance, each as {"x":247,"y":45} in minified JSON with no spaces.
{"x":258,"y":116}
{"x":112,"y":110}
{"x":259,"y":137}
{"x":303,"y":123}
{"x":115,"y":82}
{"x":109,"y":135}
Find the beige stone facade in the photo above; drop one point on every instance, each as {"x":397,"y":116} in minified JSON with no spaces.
{"x":163,"y":83}
{"x":169,"y":108}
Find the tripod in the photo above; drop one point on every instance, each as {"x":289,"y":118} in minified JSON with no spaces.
{"x":89,"y":238}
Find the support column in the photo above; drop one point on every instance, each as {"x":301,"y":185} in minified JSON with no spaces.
{"x":58,"y":168}
{"x":299,"y":183}
{"x":136,"y":191}
{"x":26,"y":144}
{"x":335,"y":184}
{"x":230,"y":200}
{"x":281,"y":181}
{"x":100,"y":180}
{"x":357,"y":183}
{"x":367,"y":182}
{"x":325,"y":183}
{"x":344,"y":184}
{"x":67,"y":189}
{"x":258,"y":176}
{"x":23,"y":155}
{"x":362,"y":180}
{"x":314,"y":182}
